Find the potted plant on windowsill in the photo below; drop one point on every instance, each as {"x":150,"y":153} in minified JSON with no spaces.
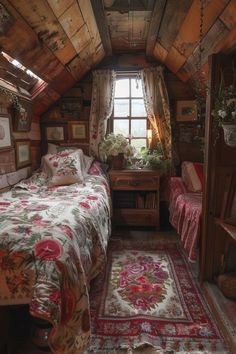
{"x":115,"y":149}
{"x":224,"y":113}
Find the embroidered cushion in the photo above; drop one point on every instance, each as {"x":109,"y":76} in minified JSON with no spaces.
{"x":192,"y":175}
{"x":65,"y":167}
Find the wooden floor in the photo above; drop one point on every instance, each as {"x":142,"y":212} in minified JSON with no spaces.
{"x":21,"y":337}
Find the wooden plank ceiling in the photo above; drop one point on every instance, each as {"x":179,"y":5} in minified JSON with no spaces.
{"x":62,"y":40}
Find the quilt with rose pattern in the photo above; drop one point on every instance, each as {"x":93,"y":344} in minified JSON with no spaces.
{"x":53,"y":241}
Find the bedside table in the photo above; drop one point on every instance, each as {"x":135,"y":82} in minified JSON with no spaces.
{"x":135,"y":197}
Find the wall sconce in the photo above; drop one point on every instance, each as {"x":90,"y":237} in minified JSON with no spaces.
{"x":149,"y":137}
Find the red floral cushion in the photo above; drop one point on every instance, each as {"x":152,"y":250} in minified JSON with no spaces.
{"x":192,"y":174}
{"x":65,"y":167}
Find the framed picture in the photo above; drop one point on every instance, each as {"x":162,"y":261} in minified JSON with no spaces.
{"x":71,"y":107}
{"x":229,"y":205}
{"x":78,"y":131}
{"x":5,"y":131}
{"x":186,"y":110}
{"x":55,"y":133}
{"x":22,"y":118}
{"x":23,"y":157}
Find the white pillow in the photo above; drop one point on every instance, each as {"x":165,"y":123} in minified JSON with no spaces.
{"x":52,"y":148}
{"x":65,"y":167}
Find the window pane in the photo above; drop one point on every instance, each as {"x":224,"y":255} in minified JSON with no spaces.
{"x":121,"y":108}
{"x":138,"y":143}
{"x":136,"y":88}
{"x":138,"y":128}
{"x":137,"y":108}
{"x":122,"y":88}
{"x":121,"y":126}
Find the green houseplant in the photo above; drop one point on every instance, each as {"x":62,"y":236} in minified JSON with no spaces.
{"x":224,"y":113}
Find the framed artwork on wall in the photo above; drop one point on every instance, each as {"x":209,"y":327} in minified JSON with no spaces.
{"x":78,"y":131}
{"x":5,"y":131}
{"x":186,"y":110}
{"x":71,"y":107}
{"x":22,"y":118}
{"x":23,"y":155}
{"x":55,"y":133}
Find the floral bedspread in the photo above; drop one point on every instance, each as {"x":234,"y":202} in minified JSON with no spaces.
{"x":52,"y":242}
{"x":185,"y":215}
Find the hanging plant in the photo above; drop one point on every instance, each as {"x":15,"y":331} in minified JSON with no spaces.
{"x":13,"y":98}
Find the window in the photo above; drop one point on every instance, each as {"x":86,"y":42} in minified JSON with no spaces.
{"x":129,"y":115}
{"x":35,"y":84}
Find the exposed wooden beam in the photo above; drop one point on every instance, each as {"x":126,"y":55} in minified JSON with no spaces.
{"x":101,"y":20}
{"x":154,"y":27}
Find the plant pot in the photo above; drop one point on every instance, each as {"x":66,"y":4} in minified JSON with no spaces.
{"x":229,"y":134}
{"x":117,"y":162}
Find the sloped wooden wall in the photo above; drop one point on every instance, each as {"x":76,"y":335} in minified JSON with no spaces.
{"x":9,"y":173}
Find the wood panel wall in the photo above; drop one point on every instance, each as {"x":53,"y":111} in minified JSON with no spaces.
{"x":9,"y":173}
{"x":81,"y":93}
{"x":177,"y":90}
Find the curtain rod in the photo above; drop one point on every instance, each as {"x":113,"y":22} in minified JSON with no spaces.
{"x":123,"y":72}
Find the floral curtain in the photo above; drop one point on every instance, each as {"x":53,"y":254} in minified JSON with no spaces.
{"x":157,"y":106}
{"x":101,"y":106}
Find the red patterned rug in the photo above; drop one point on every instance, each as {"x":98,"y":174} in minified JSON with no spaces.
{"x":149,"y":296}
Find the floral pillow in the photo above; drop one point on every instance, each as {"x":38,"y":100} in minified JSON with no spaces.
{"x":65,"y":167}
{"x":192,"y":175}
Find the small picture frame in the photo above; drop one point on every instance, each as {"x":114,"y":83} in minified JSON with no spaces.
{"x":22,"y":117}
{"x":55,"y":133}
{"x":186,"y":111}
{"x":71,"y":107}
{"x":78,"y":131}
{"x":5,"y":132}
{"x":23,"y":154}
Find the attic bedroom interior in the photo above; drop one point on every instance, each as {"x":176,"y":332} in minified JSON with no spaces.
{"x":117,"y":176}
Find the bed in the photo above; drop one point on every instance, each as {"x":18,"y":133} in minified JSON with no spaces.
{"x":53,"y":241}
{"x":185,"y":206}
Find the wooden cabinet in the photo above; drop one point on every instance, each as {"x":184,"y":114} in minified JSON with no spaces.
{"x":135,"y":196}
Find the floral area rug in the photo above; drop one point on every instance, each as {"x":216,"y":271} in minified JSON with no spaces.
{"x":149,"y":296}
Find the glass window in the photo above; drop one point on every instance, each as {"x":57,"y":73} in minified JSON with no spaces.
{"x":138,"y":128}
{"x":129,"y":114}
{"x":121,"y":108}
{"x":121,"y":126}
{"x":137,"y":108}
{"x":122,"y":88}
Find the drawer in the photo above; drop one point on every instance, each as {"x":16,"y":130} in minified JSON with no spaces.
{"x":135,"y":182}
{"x":134,"y":217}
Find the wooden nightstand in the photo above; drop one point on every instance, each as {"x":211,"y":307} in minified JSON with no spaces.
{"x":135,"y":196}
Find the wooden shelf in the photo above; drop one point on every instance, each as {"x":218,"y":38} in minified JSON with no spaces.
{"x":135,"y":195}
{"x":230,"y":229}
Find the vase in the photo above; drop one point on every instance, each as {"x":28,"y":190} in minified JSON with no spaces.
{"x":229,"y":134}
{"x":117,"y":162}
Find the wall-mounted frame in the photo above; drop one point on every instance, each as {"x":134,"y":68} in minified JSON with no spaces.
{"x":23,"y":154}
{"x":186,"y":110}
{"x":22,"y":118}
{"x":55,"y":132}
{"x":78,"y":131}
{"x":71,"y":107}
{"x":5,"y":131}
{"x":229,"y":203}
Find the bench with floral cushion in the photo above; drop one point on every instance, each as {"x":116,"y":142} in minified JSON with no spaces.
{"x":185,"y":205}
